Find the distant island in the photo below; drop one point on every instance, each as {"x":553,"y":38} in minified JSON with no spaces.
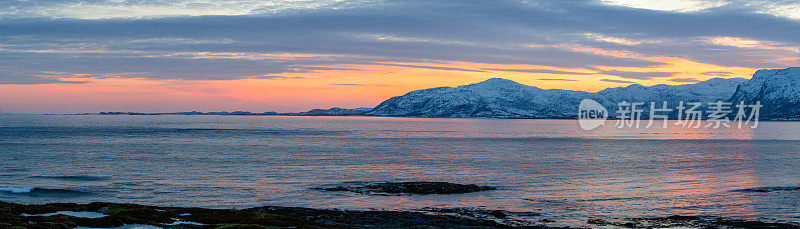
{"x":778,"y":90}
{"x":336,"y":111}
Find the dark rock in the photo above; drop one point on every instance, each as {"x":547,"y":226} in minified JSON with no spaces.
{"x":477,"y":212}
{"x":381,"y":219}
{"x":122,"y":214}
{"x":682,"y":217}
{"x":598,"y":222}
{"x":335,"y":189}
{"x":411,"y":188}
{"x":768,"y":189}
{"x":691,"y":222}
{"x":499,"y":214}
{"x":295,"y":217}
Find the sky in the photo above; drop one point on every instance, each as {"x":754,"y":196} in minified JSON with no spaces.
{"x":75,"y":56}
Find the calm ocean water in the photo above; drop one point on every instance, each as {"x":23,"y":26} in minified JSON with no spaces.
{"x":547,"y":166}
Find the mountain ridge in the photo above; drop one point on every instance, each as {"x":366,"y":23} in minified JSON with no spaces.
{"x":778,"y":90}
{"x":502,"y":98}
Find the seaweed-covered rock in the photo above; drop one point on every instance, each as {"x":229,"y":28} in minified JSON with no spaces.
{"x":476,"y":212}
{"x":21,"y":216}
{"x":411,"y":188}
{"x":678,"y":221}
{"x":381,"y":219}
{"x":30,"y":216}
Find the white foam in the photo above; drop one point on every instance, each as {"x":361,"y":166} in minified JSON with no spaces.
{"x":90,"y":215}
{"x":16,"y":190}
{"x":179,"y":222}
{"x":127,"y":226}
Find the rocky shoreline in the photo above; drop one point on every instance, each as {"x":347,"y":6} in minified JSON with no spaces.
{"x":119,"y":215}
{"x":110,"y":215}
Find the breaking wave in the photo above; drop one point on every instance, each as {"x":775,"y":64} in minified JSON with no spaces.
{"x":42,"y":191}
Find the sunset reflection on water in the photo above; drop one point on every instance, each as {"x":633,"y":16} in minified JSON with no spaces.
{"x":551,"y":167}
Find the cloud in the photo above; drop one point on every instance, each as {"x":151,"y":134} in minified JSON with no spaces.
{"x":546,"y":79}
{"x":619,"y":40}
{"x":781,"y":8}
{"x":536,"y":71}
{"x":19,"y":79}
{"x":615,"y":81}
{"x":10,"y":76}
{"x":274,"y":77}
{"x":357,"y":84}
{"x":236,"y":39}
{"x":718,"y":73}
{"x":751,"y":44}
{"x":100,"y":9}
{"x":668,"y":5}
{"x":430,"y":67}
{"x":684,"y":80}
{"x":638,"y":75}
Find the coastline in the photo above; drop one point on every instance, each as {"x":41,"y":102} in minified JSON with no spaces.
{"x":111,"y":215}
{"x":610,"y":118}
{"x":122,"y":215}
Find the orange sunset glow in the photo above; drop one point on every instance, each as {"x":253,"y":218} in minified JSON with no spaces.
{"x":364,"y":86}
{"x":399,"y":114}
{"x":273,"y":62}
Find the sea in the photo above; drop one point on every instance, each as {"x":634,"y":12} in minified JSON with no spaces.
{"x":554,"y":168}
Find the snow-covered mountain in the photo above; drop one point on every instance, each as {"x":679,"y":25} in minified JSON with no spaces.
{"x":336,"y":111}
{"x":777,"y":89}
{"x":501,"y":98}
{"x":493,"y":98}
{"x":717,"y":89}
